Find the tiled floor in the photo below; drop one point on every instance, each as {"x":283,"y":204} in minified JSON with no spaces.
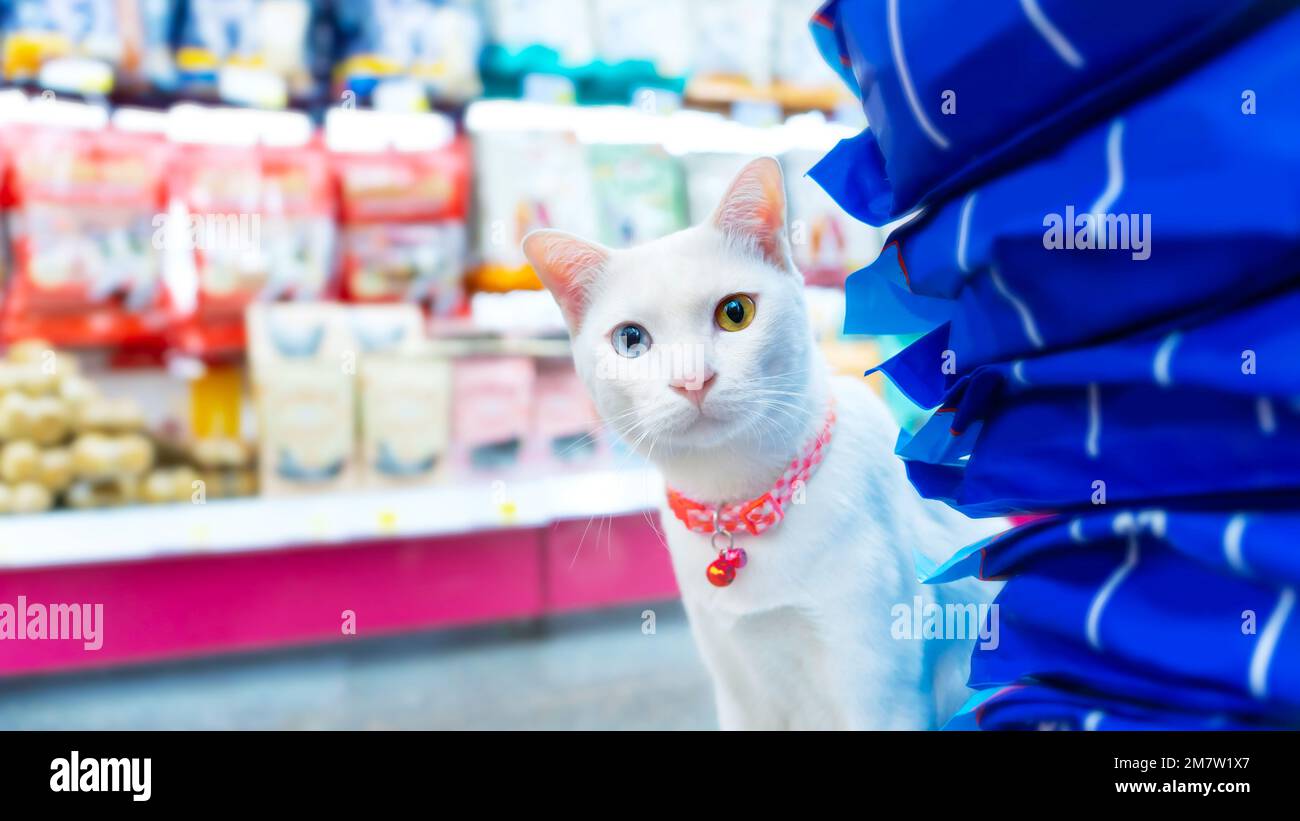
{"x":591,"y":671}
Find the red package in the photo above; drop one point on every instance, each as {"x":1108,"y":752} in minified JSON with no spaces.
{"x":84,"y":208}
{"x":255,"y":224}
{"x":403,"y":232}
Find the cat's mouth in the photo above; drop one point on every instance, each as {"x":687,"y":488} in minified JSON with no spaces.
{"x":697,"y":419}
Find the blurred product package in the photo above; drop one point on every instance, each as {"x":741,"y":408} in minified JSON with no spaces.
{"x":640,"y":194}
{"x":253,"y":52}
{"x":734,"y":40}
{"x":405,"y":406}
{"x":251,"y":218}
{"x":347,"y":396}
{"x":83,"y":204}
{"x":492,"y":415}
{"x":87,"y":47}
{"x":66,"y":441}
{"x":827,"y":243}
{"x":304,"y":363}
{"x":404,"y":396}
{"x":928,"y":76}
{"x":566,"y":431}
{"x":526,"y":179}
{"x":403,"y":209}
{"x":434,"y":44}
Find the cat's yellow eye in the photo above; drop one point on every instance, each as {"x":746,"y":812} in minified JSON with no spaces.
{"x":734,"y":313}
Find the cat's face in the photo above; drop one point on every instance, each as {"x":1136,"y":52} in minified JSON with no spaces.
{"x":696,"y":341}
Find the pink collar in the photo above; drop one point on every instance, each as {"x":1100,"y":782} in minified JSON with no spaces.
{"x":756,"y":516}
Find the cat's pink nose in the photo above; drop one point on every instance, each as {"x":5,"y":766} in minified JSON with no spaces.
{"x":693,"y":388}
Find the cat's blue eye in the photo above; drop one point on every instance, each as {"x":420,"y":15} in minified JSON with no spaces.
{"x":631,"y":340}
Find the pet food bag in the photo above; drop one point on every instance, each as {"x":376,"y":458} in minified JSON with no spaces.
{"x":640,"y":193}
{"x":433,"y":43}
{"x":304,"y":363}
{"x":403,"y":225}
{"x":1093,"y":322}
{"x":952,"y":89}
{"x":257,"y":225}
{"x":405,"y":405}
{"x":85,"y":231}
{"x":1203,"y":214}
{"x":251,"y":52}
{"x":525,"y":180}
{"x":1168,"y":618}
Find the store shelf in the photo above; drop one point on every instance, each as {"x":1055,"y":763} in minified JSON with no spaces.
{"x":253,"y":524}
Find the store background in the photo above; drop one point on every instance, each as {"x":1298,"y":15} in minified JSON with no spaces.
{"x":273,"y":356}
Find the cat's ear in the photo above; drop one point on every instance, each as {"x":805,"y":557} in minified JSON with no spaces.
{"x":752,"y":213}
{"x":567,"y":267}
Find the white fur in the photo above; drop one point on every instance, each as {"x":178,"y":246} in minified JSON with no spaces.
{"x":802,"y":638}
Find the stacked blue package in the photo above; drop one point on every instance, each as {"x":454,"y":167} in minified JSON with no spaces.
{"x":951,"y":87}
{"x":1145,"y":610}
{"x":1107,"y":324}
{"x":1183,"y":192}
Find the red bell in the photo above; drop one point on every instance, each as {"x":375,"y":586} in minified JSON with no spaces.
{"x":735,"y":557}
{"x":721,"y":573}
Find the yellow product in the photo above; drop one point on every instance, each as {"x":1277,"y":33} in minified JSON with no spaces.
{"x":33,"y":380}
{"x":220,"y":452}
{"x":56,"y":471}
{"x":41,"y":354}
{"x":109,"y":416}
{"x":226,"y":484}
{"x":96,"y":456}
{"x":10,"y":377}
{"x":77,"y":390}
{"x":49,"y":420}
{"x":26,"y":51}
{"x":215,"y":402}
{"x":87,"y":494}
{"x":6,"y":499}
{"x":15,"y":416}
{"x":30,"y":497}
{"x":135,"y":454}
{"x":20,"y":461}
{"x":169,"y":485}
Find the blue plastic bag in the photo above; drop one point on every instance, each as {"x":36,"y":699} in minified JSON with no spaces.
{"x":1181,"y":611}
{"x":1249,"y":351}
{"x":951,"y":87}
{"x":1064,"y":448}
{"x":1036,"y":706}
{"x":1215,"y":201}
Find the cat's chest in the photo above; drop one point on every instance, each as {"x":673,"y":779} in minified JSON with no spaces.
{"x":787,"y":566}
{"x":838,"y":540}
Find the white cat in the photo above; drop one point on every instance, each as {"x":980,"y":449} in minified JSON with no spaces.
{"x":697,"y":350}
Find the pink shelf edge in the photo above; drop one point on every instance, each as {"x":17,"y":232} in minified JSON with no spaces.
{"x":193,"y":606}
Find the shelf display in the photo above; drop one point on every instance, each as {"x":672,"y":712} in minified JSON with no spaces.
{"x":526,"y":180}
{"x":640,"y":193}
{"x":253,"y":52}
{"x":403,"y":224}
{"x":432,"y":43}
{"x":259,"y":224}
{"x":84,"y":230}
{"x":61,"y":440}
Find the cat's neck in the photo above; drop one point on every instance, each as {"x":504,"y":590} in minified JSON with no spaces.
{"x":742,"y":471}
